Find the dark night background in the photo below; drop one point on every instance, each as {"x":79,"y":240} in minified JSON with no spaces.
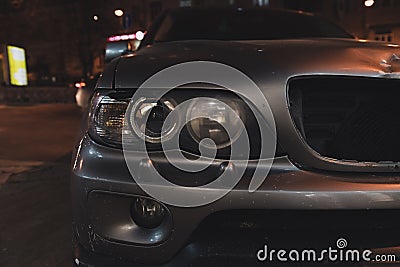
{"x":63,"y":42}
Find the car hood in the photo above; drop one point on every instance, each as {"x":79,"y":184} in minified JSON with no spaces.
{"x":262,"y":61}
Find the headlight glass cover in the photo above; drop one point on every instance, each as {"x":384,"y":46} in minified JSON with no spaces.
{"x":210,"y":116}
{"x":108,"y":121}
{"x":148,"y":118}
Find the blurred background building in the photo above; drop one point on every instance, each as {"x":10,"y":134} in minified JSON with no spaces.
{"x":65,"y":39}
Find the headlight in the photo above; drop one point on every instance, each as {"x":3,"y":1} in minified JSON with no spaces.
{"x":148,"y":117}
{"x":214,"y":114}
{"x":107,"y":119}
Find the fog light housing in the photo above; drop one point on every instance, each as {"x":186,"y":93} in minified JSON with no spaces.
{"x":147,"y":213}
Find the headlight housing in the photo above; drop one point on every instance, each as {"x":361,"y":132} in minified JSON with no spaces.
{"x":210,"y":116}
{"x":108,"y":122}
{"x":148,"y":117}
{"x":107,"y":118}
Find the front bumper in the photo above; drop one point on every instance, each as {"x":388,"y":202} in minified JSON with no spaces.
{"x":102,"y":189}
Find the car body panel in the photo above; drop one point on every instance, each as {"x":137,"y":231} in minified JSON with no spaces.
{"x":261,"y":60}
{"x":302,"y":180}
{"x":271,"y":71}
{"x":286,"y":187}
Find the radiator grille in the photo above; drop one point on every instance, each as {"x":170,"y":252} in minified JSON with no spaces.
{"x":348,"y":118}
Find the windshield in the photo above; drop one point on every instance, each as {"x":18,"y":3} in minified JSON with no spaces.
{"x":254,"y":24}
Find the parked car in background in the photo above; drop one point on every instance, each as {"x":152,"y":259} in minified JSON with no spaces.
{"x":85,"y":89}
{"x":333,"y":174}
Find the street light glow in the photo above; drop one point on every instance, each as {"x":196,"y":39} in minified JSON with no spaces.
{"x":118,"y":12}
{"x":369,"y":3}
{"x":95,"y":18}
{"x":139,"y":35}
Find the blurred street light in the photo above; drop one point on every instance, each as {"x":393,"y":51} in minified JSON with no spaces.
{"x":139,"y":35}
{"x":369,"y":3}
{"x":95,"y":18}
{"x":118,"y":12}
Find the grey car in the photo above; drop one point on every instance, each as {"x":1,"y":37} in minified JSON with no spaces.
{"x":328,"y":101}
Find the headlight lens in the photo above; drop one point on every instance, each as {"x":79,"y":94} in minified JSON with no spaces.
{"x":108,"y":119}
{"x":107,"y":123}
{"x":214,"y":114}
{"x":148,"y":117}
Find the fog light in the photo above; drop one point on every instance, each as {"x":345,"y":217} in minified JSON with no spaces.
{"x":147,"y":213}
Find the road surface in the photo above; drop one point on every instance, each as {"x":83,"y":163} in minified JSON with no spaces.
{"x":36,"y":143}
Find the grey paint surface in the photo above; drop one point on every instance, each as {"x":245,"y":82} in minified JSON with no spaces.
{"x":271,"y":64}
